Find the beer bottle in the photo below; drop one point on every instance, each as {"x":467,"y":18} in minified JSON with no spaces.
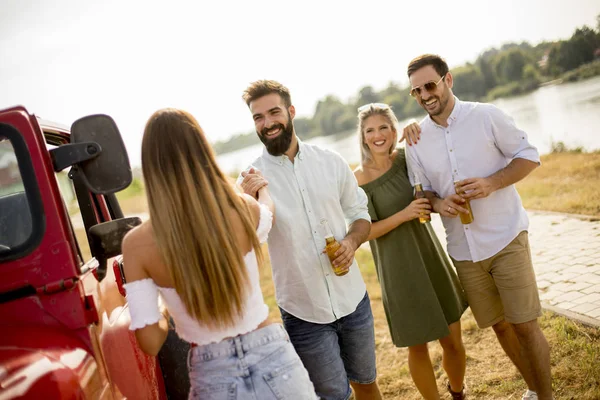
{"x":420,"y":194}
{"x":331,"y":246}
{"x":468,"y":217}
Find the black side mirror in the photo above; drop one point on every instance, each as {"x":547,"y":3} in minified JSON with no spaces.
{"x":108,"y":171}
{"x":106,"y":239}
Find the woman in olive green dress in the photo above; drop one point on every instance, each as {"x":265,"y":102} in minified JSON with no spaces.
{"x":421,"y":294}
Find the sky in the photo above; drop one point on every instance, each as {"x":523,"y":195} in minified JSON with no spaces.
{"x":64,"y":59}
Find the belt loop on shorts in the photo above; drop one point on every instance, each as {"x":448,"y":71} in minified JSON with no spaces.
{"x":238,"y":347}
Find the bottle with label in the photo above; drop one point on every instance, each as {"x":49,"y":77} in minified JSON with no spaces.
{"x":468,"y":217}
{"x":331,"y":246}
{"x":420,"y":194}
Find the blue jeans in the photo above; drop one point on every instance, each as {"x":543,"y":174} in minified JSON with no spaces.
{"x":258,"y":365}
{"x":337,"y":352}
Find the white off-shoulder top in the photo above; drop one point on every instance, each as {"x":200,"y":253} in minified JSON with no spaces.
{"x":143,"y":295}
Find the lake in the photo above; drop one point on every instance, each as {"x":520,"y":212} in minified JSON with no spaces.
{"x":569,"y":113}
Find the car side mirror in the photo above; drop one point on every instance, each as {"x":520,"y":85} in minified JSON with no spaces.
{"x":108,"y":171}
{"x":106,"y":239}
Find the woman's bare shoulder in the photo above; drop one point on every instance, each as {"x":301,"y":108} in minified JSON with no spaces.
{"x":137,"y":244}
{"x":141,"y":235}
{"x":360,"y":174}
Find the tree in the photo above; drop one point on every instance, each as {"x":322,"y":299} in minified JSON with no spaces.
{"x":367,"y":95}
{"x":305,"y":127}
{"x":510,"y":64}
{"x":572,"y":53}
{"x":469,"y":83}
{"x":332,"y":116}
{"x":487,"y":72}
{"x":392,"y":89}
{"x":397,"y":101}
{"x":531,"y":74}
{"x":411,"y":109}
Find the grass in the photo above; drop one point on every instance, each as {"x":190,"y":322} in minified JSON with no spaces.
{"x":133,"y":198}
{"x":568,"y":181}
{"x":513,"y":89}
{"x":582,"y":72}
{"x":575,"y":350}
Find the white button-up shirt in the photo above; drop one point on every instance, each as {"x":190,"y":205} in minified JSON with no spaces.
{"x":480,"y":140}
{"x":318,"y":184}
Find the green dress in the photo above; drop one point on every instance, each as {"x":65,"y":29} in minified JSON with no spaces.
{"x":420,"y":290}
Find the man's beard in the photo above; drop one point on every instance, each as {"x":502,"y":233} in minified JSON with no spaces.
{"x":442,"y":104}
{"x":281,"y":143}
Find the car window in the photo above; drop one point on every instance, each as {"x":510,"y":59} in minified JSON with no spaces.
{"x":15,"y":213}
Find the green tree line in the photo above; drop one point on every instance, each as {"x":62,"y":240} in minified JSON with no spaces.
{"x":512,"y":69}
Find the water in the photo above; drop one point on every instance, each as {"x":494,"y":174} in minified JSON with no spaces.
{"x":569,"y":113}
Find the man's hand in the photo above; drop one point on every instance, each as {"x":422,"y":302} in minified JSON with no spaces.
{"x":476,"y":188}
{"x":345,"y":254}
{"x":253,"y":181}
{"x":450,"y":206}
{"x":358,"y":232}
{"x":411,"y":133}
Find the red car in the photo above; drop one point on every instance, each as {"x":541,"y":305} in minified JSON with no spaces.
{"x":63,"y":316}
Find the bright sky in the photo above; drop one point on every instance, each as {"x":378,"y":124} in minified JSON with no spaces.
{"x":64,"y":59}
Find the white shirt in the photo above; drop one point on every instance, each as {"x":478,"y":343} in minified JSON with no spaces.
{"x":480,"y":140}
{"x":318,"y":184}
{"x":142,"y":299}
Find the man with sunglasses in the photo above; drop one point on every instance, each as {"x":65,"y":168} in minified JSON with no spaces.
{"x":478,"y":147}
{"x":327,"y":317}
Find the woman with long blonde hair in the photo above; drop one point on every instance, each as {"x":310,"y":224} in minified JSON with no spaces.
{"x":421,"y":294}
{"x":200,"y":250}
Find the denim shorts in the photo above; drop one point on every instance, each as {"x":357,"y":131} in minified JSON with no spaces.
{"x":261,"y":364}
{"x":337,"y":352}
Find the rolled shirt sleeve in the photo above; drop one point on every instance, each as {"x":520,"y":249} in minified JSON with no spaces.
{"x":509,"y":139}
{"x":352,"y":198}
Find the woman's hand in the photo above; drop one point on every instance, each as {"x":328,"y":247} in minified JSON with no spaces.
{"x":412,"y":133}
{"x":417,"y":208}
{"x":253,"y":182}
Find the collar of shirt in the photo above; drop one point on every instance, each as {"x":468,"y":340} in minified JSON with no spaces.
{"x":452,"y":118}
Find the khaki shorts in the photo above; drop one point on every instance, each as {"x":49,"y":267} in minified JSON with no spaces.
{"x":502,"y":287}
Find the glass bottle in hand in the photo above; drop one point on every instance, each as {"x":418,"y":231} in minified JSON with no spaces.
{"x":331,"y":246}
{"x":420,"y":194}
{"x":468,"y":217}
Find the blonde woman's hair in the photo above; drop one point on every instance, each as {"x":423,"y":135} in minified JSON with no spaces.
{"x":373,"y":109}
{"x":189,"y":198}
